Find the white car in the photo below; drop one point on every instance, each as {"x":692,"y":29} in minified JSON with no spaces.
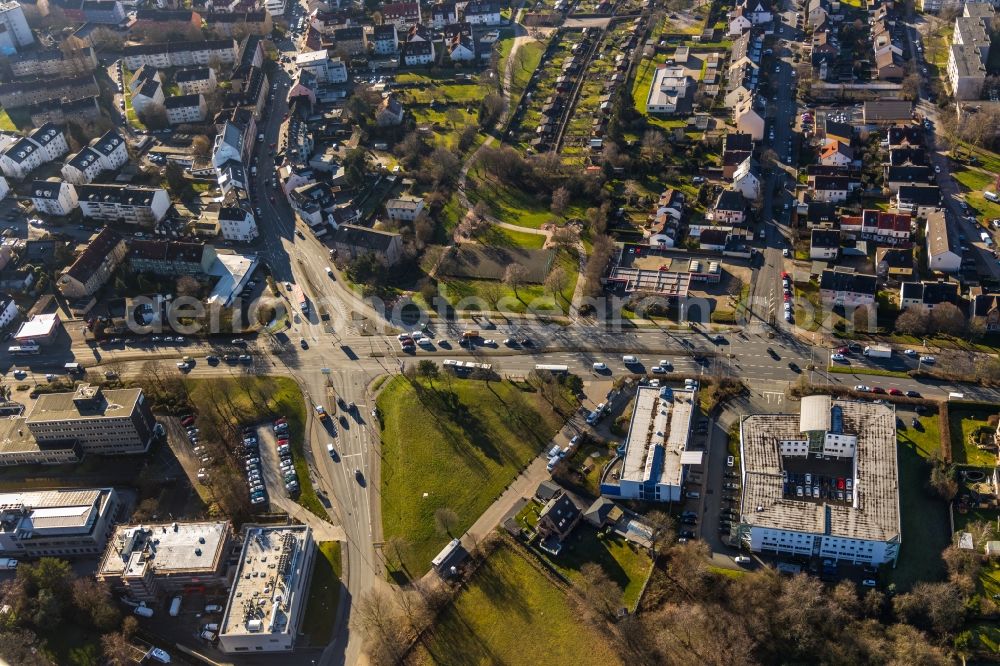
{"x":600,"y":366}
{"x":910,"y":352}
{"x":927,"y":359}
{"x":489,"y":343}
{"x":784,"y":252}
{"x":741,"y":559}
{"x":730,"y":460}
{"x":862,"y":388}
{"x":838,"y":357}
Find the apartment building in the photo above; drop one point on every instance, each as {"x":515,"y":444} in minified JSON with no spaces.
{"x":42,"y":146}
{"x":237,"y":224}
{"x":482,"y":13}
{"x":16,"y":25}
{"x":149,"y":562}
{"x":180,"y":54}
{"x":194,"y":80}
{"x":401,"y":14}
{"x":944,"y":253}
{"x":385,"y":39}
{"x":149,"y":95}
{"x":55,"y":62}
{"x":185,"y":109}
{"x":94,"y":267}
{"x":847,"y":288}
{"x":969,"y":53}
{"x":783,"y":456}
{"x":142,"y":206}
{"x":72,"y":522}
{"x":404,"y":208}
{"x":170,"y":258}
{"x":100,"y":421}
{"x":107,"y":153}
{"x":27,"y":92}
{"x":53,"y":197}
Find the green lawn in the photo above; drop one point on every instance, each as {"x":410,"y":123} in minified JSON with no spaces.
{"x":324,"y":594}
{"x":973,"y":183}
{"x":510,"y":613}
{"x":924,"y":517}
{"x":625,"y":564}
{"x":453,"y":443}
{"x":5,"y":122}
{"x":840,"y":368}
{"x":963,"y":423}
{"x":640,"y":91}
{"x":528,"y":57}
{"x":270,"y":397}
{"x":516,"y":206}
{"x":500,"y":237}
{"x":986,"y":635}
{"x":457,"y":289}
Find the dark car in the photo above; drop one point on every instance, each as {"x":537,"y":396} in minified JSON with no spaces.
{"x":359,"y":477}
{"x":794,"y":367}
{"x":913,"y":394}
{"x":773,"y":354}
{"x":212,"y":360}
{"x":686,"y":534}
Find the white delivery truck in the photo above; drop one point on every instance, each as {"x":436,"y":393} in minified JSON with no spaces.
{"x":878,"y":351}
{"x":175,"y":606}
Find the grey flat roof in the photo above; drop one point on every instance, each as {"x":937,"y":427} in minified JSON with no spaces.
{"x":168,"y":547}
{"x":875,"y":514}
{"x":657,"y":421}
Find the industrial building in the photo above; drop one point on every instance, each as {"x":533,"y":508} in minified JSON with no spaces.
{"x":57,"y":523}
{"x":269,"y":593}
{"x":653,"y":459}
{"x":823,"y":483}
{"x":147,"y":561}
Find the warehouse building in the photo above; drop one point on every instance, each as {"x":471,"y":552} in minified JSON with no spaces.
{"x":823,"y":483}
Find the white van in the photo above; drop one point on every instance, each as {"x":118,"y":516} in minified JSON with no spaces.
{"x":991,"y":196}
{"x":629,"y":359}
{"x":175,"y":606}
{"x":552,"y":463}
{"x":600,"y":366}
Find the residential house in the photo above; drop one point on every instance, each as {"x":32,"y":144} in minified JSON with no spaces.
{"x":60,"y":111}
{"x":547,"y":490}
{"x":351,"y":40}
{"x":180,"y":54}
{"x":184,"y":109}
{"x":404,"y":208}
{"x":746,"y":179}
{"x":737,"y":141}
{"x":107,"y":153}
{"x":730,"y":208}
{"x":420,"y":33}
{"x":42,"y":146}
{"x":835,"y":153}
{"x":886,"y":227}
{"x":926,"y":295}
{"x":142,"y":206}
{"x":237,"y":224}
{"x":312,"y":202}
{"x":53,"y":197}
{"x":226,"y":24}
{"x":847,"y":288}
{"x":897,"y":176}
{"x":889,"y":66}
{"x":103,"y":12}
{"x":748,"y":120}
{"x":555,"y":522}
{"x":352,"y":241}
{"x":462,"y":48}
{"x":831,"y":188}
{"x":418,"y":53}
{"x":986,"y":310}
{"x":171,"y":258}
{"x":713,"y":240}
{"x":390,"y":111}
{"x":15,"y":25}
{"x":887,"y":112}
{"x":894,"y":263}
{"x":401,"y":14}
{"x":739,"y":22}
{"x":603,"y":513}
{"x":141,"y":76}
{"x":8,"y":310}
{"x":905,"y":136}
{"x":817,"y":12}
{"x":443,"y":13}
{"x":4,"y":190}
{"x":669,"y":90}
{"x":731,"y":160}
{"x":159,"y":21}
{"x":94,"y":267}
{"x":918,"y":199}
{"x":842,"y":133}
{"x":907,"y":156}
{"x":943,"y":252}
{"x":194,"y":80}
{"x":824,"y":244}
{"x":822,"y":214}
{"x":482,"y":13}
{"x":385,"y":39}
{"x":758,"y":11}
{"x":148,"y":96}
{"x":743,"y":79}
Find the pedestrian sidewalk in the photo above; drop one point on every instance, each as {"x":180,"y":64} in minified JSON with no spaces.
{"x":322,"y":530}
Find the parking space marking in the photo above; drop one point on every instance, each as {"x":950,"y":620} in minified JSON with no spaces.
{"x":777,"y":396}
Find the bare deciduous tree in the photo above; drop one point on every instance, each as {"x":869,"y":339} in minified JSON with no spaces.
{"x":514,"y":277}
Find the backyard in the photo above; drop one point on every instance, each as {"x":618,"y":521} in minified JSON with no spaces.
{"x":924,"y":517}
{"x":964,"y":422}
{"x":455,"y":444}
{"x":511,"y":613}
{"x":974,"y":182}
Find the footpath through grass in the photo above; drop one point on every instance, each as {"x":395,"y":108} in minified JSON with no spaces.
{"x":248,"y":400}
{"x":452,"y":443}
{"x":324,"y":594}
{"x":510,"y":613}
{"x":924,"y":516}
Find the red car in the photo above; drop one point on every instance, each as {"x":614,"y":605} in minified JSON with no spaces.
{"x":895,"y":391}
{"x":788,"y":297}
{"x":280,"y":421}
{"x":878,"y":389}
{"x":187,"y":420}
{"x":843,"y":350}
{"x":840,"y":484}
{"x":784,"y":275}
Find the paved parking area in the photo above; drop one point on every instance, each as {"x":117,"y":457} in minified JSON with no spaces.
{"x":270,"y":471}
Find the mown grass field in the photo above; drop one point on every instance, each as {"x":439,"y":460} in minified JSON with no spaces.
{"x":324,"y":594}
{"x":924,"y":517}
{"x":963,"y":423}
{"x":510,"y":613}
{"x":973,"y":183}
{"x":626,"y":565}
{"x":454,"y":443}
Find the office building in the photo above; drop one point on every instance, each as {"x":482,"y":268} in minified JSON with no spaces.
{"x":72,"y":522}
{"x":269,"y":593}
{"x":150,"y":561}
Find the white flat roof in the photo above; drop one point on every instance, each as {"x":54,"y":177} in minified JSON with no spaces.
{"x":311,"y":57}
{"x":37,"y":327}
{"x":661,"y":419}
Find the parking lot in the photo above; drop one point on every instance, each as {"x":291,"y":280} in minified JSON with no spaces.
{"x":821,"y":479}
{"x":274,"y":477}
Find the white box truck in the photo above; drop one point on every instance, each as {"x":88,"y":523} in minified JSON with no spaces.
{"x":175,"y":606}
{"x":878,"y":351}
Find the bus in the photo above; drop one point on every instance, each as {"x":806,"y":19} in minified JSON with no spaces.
{"x":22,"y":350}
{"x":554,"y":369}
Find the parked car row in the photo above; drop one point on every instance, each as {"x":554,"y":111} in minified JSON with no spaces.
{"x":285,"y":462}
{"x":251,"y":458}
{"x":818,"y":486}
